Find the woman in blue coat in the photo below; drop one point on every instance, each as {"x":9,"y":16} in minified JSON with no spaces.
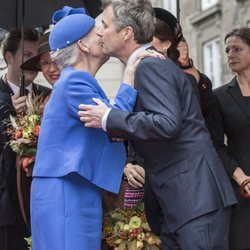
{"x":74,"y":163}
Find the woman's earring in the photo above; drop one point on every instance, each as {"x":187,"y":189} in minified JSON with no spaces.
{"x":165,"y":51}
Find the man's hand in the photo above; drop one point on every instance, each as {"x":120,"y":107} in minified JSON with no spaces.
{"x":19,"y":103}
{"x":92,"y":115}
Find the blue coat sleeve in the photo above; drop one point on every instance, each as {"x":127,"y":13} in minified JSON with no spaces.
{"x":82,"y":88}
{"x":125,"y":98}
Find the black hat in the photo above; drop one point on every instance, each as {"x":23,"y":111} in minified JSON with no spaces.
{"x":168,"y":18}
{"x":33,"y":63}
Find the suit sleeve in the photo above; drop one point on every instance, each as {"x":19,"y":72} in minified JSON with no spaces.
{"x":215,"y":125}
{"x":158,"y":94}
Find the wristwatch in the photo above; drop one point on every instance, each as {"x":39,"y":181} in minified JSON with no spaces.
{"x":189,"y":65}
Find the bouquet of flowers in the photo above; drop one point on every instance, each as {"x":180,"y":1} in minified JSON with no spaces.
{"x":24,"y":128}
{"x":127,"y":229}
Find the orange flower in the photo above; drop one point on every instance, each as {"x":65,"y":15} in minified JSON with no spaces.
{"x":36,"y":130}
{"x":18,"y":133}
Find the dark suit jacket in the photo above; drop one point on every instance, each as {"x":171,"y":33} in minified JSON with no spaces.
{"x":168,"y":131}
{"x":206,"y":94}
{"x":231,"y":118}
{"x":9,"y":206}
{"x":203,"y":91}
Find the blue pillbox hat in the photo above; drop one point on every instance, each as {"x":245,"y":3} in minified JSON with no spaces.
{"x":71,"y":25}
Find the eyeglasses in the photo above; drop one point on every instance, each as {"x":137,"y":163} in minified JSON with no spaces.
{"x":46,"y":63}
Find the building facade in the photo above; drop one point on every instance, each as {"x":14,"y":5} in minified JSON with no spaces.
{"x":205,"y":24}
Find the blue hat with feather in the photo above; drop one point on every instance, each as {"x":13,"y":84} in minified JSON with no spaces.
{"x":71,"y":24}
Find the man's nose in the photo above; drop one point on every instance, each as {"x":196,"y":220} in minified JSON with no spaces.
{"x":99,"y":31}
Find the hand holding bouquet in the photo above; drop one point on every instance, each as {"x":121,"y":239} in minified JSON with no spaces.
{"x":24,"y":128}
{"x":24,"y":131}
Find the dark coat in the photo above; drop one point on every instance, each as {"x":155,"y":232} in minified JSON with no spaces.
{"x":10,"y":213}
{"x":168,"y":131}
{"x":204,"y":93}
{"x":231,"y":118}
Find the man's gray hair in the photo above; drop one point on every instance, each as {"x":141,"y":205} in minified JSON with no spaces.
{"x":138,"y":14}
{"x":65,"y":57}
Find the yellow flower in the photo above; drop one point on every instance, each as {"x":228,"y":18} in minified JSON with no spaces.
{"x":127,"y":229}
{"x":26,"y":133}
{"x":139,"y":245}
{"x":33,"y":118}
{"x":118,"y":226}
{"x":141,"y":236}
{"x":135,"y":222}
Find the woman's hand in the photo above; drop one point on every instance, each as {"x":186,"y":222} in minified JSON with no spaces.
{"x":184,"y":60}
{"x":26,"y":164}
{"x":135,"y":175}
{"x":242,"y":179}
{"x":130,"y":69}
{"x":184,"y":53}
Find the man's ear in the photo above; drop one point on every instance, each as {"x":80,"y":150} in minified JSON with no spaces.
{"x":8,"y":57}
{"x":128,"y":33}
{"x":83,"y":45}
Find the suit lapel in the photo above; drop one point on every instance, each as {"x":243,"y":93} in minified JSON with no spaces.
{"x":235,"y":92}
{"x":36,"y":88}
{"x":5,"y":87}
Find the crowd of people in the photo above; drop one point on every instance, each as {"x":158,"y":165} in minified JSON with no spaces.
{"x":176,"y":144}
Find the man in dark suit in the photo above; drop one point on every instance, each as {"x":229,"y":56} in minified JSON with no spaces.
{"x":12,"y":226}
{"x":186,"y":180}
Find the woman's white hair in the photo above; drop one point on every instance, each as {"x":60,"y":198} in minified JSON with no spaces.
{"x":65,"y":57}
